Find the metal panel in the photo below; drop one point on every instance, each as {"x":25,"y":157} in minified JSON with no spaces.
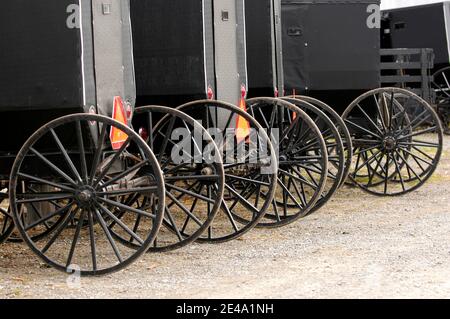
{"x":89,"y":91}
{"x":112,"y":42}
{"x":208,"y":31}
{"x":278,"y":54}
{"x":128,"y":60}
{"x":446,"y":9}
{"x":241,"y":43}
{"x":228,"y":79}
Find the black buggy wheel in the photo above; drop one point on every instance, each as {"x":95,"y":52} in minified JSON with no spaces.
{"x":87,"y":177}
{"x":30,"y":213}
{"x":193,"y":175}
{"x":335,"y":148}
{"x":397,"y":140}
{"x":303,"y":160}
{"x":6,"y":220}
{"x":340,"y":125}
{"x":250,"y":167}
{"x":441,"y":86}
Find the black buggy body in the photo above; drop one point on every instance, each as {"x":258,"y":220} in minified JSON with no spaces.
{"x":54,"y":62}
{"x":329,"y":50}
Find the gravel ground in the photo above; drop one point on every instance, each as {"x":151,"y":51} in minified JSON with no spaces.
{"x":359,"y":246}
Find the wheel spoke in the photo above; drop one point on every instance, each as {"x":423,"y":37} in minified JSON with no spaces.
{"x":98,"y":153}
{"x":108,"y":235}
{"x":106,"y":169}
{"x":53,"y":167}
{"x":69,"y":216}
{"x":126,"y":207}
{"x":125,"y":173}
{"x":184,"y":209}
{"x":47,"y":197}
{"x":92,"y":240}
{"x":66,"y":155}
{"x":49,"y":216}
{"x":46,"y":182}
{"x":82,"y":152}
{"x":182,"y":190}
{"x":75,"y":239}
{"x":243,"y":200}
{"x":121,"y":224}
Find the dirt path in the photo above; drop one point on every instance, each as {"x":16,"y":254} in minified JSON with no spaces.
{"x":357,"y":246}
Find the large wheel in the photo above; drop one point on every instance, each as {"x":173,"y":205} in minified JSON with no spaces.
{"x":397,"y":140}
{"x":193,"y":173}
{"x":250,"y":167}
{"x":303,"y":160}
{"x":335,"y":148}
{"x":86,"y":177}
{"x":6,"y":220}
{"x":340,"y":125}
{"x":441,"y":86}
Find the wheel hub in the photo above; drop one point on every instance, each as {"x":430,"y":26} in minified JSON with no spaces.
{"x":85,"y":197}
{"x":389,"y":143}
{"x":207,"y":171}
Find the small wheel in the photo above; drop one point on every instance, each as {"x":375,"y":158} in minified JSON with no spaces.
{"x":303,"y":159}
{"x":250,"y":167}
{"x":441,"y":86}
{"x":6,"y":220}
{"x":340,"y":125}
{"x":193,"y":173}
{"x":398,"y":141}
{"x":86,"y":175}
{"x":335,"y":147}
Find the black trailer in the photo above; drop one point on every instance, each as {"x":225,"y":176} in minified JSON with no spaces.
{"x":67,"y":94}
{"x":331,"y":51}
{"x":422,"y":27}
{"x":194,"y":53}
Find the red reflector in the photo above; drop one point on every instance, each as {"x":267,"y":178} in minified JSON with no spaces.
{"x":116,"y":136}
{"x":210,"y":93}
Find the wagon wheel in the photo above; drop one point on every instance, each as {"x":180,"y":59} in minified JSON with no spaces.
{"x":441,"y":86}
{"x":366,"y":155}
{"x":6,"y":221}
{"x":335,"y":148}
{"x":31,"y":213}
{"x":193,"y":173}
{"x":250,"y":167}
{"x":302,"y":157}
{"x":340,"y":125}
{"x":68,"y":155}
{"x":397,"y":138}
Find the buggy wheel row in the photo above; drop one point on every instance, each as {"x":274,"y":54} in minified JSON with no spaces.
{"x":207,"y":171}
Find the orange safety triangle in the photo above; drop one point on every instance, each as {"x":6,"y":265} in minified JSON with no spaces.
{"x":117,"y":137}
{"x":242,"y":125}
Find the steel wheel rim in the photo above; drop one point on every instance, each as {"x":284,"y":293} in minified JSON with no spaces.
{"x":441,"y":86}
{"x":398,"y":129}
{"x":184,"y":219}
{"x":335,"y":147}
{"x":337,"y":120}
{"x":236,"y":203}
{"x":299,"y":185}
{"x":84,"y":191}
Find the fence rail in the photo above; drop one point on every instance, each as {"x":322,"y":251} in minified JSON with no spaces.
{"x":410,"y":69}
